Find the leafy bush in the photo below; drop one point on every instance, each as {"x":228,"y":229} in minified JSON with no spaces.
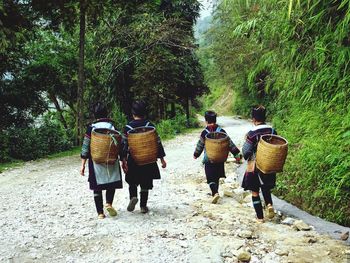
{"x":4,"y":147}
{"x":168,"y":129}
{"x":35,"y":142}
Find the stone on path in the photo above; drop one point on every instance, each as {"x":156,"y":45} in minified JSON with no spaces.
{"x":240,"y":194}
{"x":244,"y":256}
{"x":345,"y":236}
{"x":288,"y":221}
{"x":228,"y":193}
{"x":301,"y":226}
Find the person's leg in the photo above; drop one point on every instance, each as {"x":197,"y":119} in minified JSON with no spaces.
{"x":266,"y":191}
{"x":133,"y":197}
{"x":144,"y":198}
{"x":98,"y":202}
{"x":132,"y":190}
{"x":214,"y":187}
{"x":257,"y":205}
{"x":110,"y":196}
{"x":109,"y":201}
{"x":211,"y":173}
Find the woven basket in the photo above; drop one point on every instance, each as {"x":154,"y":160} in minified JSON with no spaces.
{"x":104,"y":148}
{"x":217,"y":146}
{"x":143,"y":145}
{"x":271,"y":153}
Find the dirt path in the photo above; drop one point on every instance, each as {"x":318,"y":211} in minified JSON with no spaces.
{"x":48,"y":214}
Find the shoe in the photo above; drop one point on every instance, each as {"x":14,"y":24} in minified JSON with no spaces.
{"x":260,"y":220}
{"x":270,"y":211}
{"x":131,"y":206}
{"x":215,"y":198}
{"x":144,"y":209}
{"x":111,"y":211}
{"x":101,"y":216}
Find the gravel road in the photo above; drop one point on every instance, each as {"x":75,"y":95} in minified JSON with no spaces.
{"x":48,"y":215}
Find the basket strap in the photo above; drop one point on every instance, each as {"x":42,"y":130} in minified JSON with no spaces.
{"x":147,"y":124}
{"x":207,"y":130}
{"x":131,"y":128}
{"x":218,"y":129}
{"x":114,"y":139}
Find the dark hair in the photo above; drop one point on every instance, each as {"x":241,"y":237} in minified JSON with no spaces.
{"x":99,"y":110}
{"x":139,"y":108}
{"x":259,"y":113}
{"x":210,"y":116}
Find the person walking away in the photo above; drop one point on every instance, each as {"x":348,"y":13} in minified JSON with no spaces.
{"x":213,"y":171}
{"x":140,"y":175}
{"x":254,"y":179}
{"x":101,"y":176}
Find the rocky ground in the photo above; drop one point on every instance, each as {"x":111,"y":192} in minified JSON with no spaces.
{"x":47,"y":214}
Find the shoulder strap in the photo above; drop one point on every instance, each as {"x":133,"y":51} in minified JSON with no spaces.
{"x":218,"y":129}
{"x":131,"y":128}
{"x":148,"y":123}
{"x":207,"y":130}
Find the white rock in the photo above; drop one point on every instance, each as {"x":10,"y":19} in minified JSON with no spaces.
{"x":288,"y":221}
{"x":301,"y":226}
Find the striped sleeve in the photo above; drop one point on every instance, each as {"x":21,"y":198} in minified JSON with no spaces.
{"x":233,"y":148}
{"x":200,"y":145}
{"x":248,"y":147}
{"x":85,"y":148}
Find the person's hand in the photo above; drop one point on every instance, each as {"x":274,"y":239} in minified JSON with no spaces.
{"x":194,"y":157}
{"x":239,"y":158}
{"x":82,"y":170}
{"x":125,"y":165}
{"x":163,"y":163}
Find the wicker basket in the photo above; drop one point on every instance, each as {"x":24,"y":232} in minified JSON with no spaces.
{"x":271,"y":153}
{"x":105,"y":146}
{"x":143,"y":145}
{"x":217,"y":146}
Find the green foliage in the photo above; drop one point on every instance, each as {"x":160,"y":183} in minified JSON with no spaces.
{"x":168,"y":129}
{"x":293,"y":57}
{"x":34,"y":142}
{"x":133,"y":50}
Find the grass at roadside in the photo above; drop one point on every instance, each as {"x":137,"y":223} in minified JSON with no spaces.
{"x":17,"y":163}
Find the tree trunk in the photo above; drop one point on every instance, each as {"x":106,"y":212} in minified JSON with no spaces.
{"x":59,"y":110}
{"x":187,"y":104}
{"x":81,"y":77}
{"x":161,"y":109}
{"x":172,"y":111}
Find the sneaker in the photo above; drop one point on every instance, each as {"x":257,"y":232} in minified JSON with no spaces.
{"x":101,"y":216}
{"x":131,"y":206}
{"x":144,"y":209}
{"x":111,"y":211}
{"x":215,"y":198}
{"x":270,"y":212}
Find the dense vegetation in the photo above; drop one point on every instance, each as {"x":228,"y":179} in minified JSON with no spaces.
{"x":293,"y":56}
{"x":59,"y":57}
